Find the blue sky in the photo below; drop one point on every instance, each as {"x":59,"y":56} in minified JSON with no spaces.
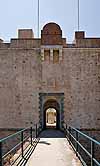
{"x":15,"y":14}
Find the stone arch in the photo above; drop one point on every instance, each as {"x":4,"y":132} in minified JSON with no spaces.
{"x":51,"y":103}
{"x":52,"y":29}
{"x":45,"y":101}
{"x":51,"y":34}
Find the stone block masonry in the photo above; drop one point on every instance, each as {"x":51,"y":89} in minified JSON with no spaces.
{"x":29,"y":66}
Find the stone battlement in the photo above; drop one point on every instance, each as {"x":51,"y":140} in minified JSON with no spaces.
{"x":50,"y":35}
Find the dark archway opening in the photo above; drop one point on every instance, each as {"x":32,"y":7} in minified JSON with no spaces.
{"x":51,"y":114}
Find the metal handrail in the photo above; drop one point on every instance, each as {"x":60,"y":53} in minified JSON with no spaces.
{"x":20,"y":145}
{"x":76,"y":145}
{"x":12,"y":135}
{"x":85,"y":135}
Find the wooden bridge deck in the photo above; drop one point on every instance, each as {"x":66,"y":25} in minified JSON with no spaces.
{"x":53,"y":149}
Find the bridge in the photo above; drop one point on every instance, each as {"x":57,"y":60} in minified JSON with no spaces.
{"x":31,"y":146}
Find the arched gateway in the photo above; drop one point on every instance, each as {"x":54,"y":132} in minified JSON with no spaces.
{"x":51,"y":101}
{"x":55,"y":105}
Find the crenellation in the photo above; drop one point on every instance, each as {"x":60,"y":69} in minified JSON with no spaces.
{"x":87,"y":43}
{"x":25,"y":43}
{"x":25,"y":34}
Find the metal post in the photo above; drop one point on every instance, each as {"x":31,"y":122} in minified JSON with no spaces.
{"x":36,"y":131}
{"x":92,"y":153}
{"x":31,"y":134}
{"x":38,"y":16}
{"x":69,"y":134}
{"x":1,"y":162}
{"x":22,"y":144}
{"x":77,"y":139}
{"x":66,"y":130}
{"x":78,"y":15}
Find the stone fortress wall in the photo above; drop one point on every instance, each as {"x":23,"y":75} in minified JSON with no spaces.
{"x":29,"y":66}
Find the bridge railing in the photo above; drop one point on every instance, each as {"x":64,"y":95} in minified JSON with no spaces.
{"x":75,"y":138}
{"x":15,"y":148}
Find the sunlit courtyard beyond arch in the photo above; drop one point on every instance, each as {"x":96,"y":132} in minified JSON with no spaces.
{"x":51,"y":117}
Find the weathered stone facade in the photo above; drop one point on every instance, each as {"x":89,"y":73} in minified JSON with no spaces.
{"x":30,"y":67}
